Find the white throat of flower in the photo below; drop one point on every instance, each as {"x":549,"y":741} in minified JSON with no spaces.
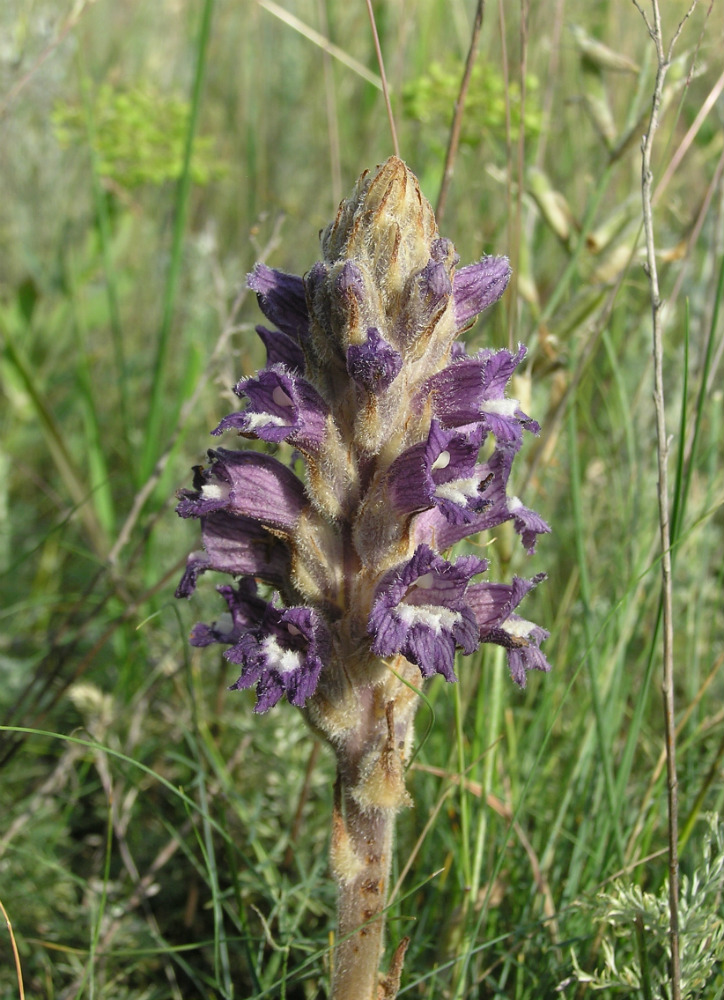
{"x":286,"y":661}
{"x":433,"y":616}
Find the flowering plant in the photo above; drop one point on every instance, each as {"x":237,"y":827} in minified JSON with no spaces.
{"x":407,"y":443}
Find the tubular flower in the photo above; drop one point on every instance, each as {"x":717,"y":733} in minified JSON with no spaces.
{"x":407,"y":444}
{"x":420,"y":611}
{"x":283,"y":654}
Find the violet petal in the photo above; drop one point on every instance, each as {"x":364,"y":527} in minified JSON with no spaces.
{"x":478,"y":286}
{"x":374,"y":364}
{"x":493,"y":605}
{"x":281,"y":349}
{"x":248,"y":483}
{"x":433,"y":528}
{"x":527,"y":523}
{"x":420,"y":611}
{"x":246,"y":610}
{"x":434,"y":283}
{"x":239,"y":546}
{"x":282,"y":300}
{"x":472,"y":390}
{"x":285,"y":654}
{"x":281,"y":407}
{"x":441,"y":472}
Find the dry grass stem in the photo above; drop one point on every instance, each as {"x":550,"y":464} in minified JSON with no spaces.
{"x":383,"y":77}
{"x":663,"y":62}
{"x":457,"y":120}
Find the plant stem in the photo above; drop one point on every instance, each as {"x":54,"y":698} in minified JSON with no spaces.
{"x":369,"y":792}
{"x":365,"y":836}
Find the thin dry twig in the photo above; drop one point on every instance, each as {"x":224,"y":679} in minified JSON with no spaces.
{"x":319,"y":40}
{"x":663,"y":56}
{"x":16,"y":954}
{"x":383,"y":77}
{"x":454,"y":140}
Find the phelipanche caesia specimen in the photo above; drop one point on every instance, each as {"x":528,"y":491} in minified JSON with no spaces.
{"x":343,"y":586}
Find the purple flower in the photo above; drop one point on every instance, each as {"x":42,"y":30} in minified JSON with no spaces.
{"x":337,"y":298}
{"x":493,"y":604}
{"x":434,"y":284}
{"x":441,"y":472}
{"x":527,"y":523}
{"x":245,"y":611}
{"x":247,"y":483}
{"x":281,"y":349}
{"x":472,"y":391}
{"x":282,"y":300}
{"x":236,"y":545}
{"x":283,"y":654}
{"x":349,"y":284}
{"x":281,"y":407}
{"x":420,"y":611}
{"x":433,"y":527}
{"x":373,"y":364}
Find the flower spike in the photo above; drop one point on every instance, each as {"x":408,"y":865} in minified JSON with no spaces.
{"x":392,"y":443}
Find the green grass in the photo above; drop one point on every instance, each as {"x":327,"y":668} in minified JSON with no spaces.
{"x":148,"y":844}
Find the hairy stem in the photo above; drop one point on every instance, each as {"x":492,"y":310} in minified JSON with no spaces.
{"x":369,"y":792}
{"x":362,"y":843}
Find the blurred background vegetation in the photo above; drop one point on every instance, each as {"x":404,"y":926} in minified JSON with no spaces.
{"x":157,"y":839}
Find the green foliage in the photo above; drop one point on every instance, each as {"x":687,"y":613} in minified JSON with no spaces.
{"x":636,"y":948}
{"x":430,"y":97}
{"x":139,"y":137}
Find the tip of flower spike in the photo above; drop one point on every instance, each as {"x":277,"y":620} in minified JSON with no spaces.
{"x":387,"y":220}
